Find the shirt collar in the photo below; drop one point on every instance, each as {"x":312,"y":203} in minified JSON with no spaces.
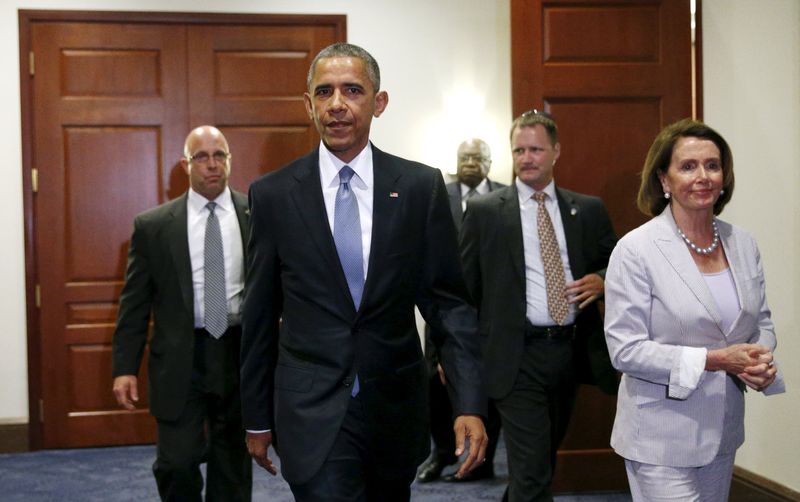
{"x":197,"y":202}
{"x":330,"y":164}
{"x":482,"y":188}
{"x":526,"y":192}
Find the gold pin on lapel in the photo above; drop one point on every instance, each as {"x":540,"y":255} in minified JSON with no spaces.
{"x":393,"y":195}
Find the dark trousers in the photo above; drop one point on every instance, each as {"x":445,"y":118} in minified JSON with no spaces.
{"x":535,"y":415}
{"x":444,"y":441}
{"x":208,"y":430}
{"x":349,"y":475}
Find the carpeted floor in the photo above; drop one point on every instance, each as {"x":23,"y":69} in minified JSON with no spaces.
{"x":123,"y":474}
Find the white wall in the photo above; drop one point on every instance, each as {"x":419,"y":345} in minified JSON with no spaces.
{"x":751,"y":71}
{"x":446,"y":66}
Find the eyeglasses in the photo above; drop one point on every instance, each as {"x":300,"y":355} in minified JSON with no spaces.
{"x":467,"y":157}
{"x":204,"y":157}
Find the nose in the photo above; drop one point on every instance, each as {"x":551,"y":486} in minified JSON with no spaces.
{"x":337,"y":102}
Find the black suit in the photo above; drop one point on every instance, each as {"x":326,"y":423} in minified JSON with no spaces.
{"x":184,"y":366}
{"x":494,"y":267}
{"x":296,"y":378}
{"x":441,"y":411}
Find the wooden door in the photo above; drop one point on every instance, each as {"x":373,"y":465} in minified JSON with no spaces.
{"x":612,"y":74}
{"x":107,"y":105}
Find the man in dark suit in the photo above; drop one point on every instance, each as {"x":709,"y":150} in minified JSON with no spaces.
{"x":185,"y":265}
{"x":534,"y":258}
{"x":344,"y":242}
{"x":474,"y":159}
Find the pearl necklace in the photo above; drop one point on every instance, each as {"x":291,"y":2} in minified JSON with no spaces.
{"x":697,"y":249}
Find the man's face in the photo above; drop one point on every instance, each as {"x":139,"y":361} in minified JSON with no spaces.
{"x":208,"y":166}
{"x":473,"y":162}
{"x":342,"y":102}
{"x":534,"y":155}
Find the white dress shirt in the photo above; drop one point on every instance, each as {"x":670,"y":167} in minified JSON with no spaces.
{"x":362,"y":183}
{"x":481,"y":189}
{"x":535,"y":287}
{"x":197,"y":215}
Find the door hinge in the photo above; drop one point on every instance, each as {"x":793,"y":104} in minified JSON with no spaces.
{"x":38,"y":296}
{"x":31,"y":67}
{"x":35,"y":180}
{"x":41,"y":410}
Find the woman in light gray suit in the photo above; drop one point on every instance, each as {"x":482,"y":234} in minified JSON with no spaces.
{"x":687,"y":323}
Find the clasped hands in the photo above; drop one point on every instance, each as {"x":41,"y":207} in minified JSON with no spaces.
{"x":752,"y":363}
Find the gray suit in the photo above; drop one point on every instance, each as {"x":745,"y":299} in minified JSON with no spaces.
{"x":656,"y":303}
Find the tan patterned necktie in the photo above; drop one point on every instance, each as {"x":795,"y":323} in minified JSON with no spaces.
{"x":553,"y":266}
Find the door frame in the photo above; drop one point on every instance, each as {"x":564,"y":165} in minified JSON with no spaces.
{"x":28,"y":18}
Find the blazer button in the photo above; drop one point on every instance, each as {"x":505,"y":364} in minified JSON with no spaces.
{"x":347,"y":382}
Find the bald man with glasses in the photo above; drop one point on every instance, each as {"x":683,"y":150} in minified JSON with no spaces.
{"x":185,"y":266}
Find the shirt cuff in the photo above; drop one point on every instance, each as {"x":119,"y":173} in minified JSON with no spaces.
{"x":685,"y":379}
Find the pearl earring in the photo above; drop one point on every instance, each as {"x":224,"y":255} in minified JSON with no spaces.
{"x":722,"y":191}
{"x":666,"y":195}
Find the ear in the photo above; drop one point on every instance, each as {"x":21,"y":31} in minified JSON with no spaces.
{"x":185,"y":165}
{"x":557,"y":150}
{"x":663,"y":179}
{"x":381,"y":101}
{"x":309,"y":105}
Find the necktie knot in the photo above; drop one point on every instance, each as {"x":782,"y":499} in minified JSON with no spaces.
{"x":471,"y":193}
{"x":346,"y":174}
{"x":211,"y":207}
{"x":539,"y":197}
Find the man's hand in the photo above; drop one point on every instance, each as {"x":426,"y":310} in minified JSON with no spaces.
{"x":126,"y":390}
{"x":470,"y":427}
{"x":257,"y":445}
{"x":585,"y":290}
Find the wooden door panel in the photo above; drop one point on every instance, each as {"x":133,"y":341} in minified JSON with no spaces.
{"x":612,"y":74}
{"x":257,"y":150}
{"x":599,"y":135}
{"x":250,"y":81}
{"x":105,"y":114}
{"x":100,"y":146}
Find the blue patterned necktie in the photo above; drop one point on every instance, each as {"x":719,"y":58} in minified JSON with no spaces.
{"x":216,"y":301}
{"x":347,"y":235}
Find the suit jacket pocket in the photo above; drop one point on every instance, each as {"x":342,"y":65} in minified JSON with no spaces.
{"x":293,"y":378}
{"x":646,"y":393}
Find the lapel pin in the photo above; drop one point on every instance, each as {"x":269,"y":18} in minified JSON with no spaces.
{"x":573,"y":211}
{"x":394,"y":195}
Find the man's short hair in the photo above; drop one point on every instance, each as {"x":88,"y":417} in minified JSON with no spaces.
{"x":341,"y":50}
{"x":534,"y":117}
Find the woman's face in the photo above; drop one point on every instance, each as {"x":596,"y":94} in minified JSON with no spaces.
{"x":694,"y":176}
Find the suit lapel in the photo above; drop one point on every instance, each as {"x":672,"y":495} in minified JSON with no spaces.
{"x":310,"y":205}
{"x":572,"y":231}
{"x":387,"y":199}
{"x":736,"y":262}
{"x":678,"y":255}
{"x":510,"y":217}
{"x":179,"y":249}
{"x":242,"y":214}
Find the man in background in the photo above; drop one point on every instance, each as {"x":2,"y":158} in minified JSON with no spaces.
{"x":534,"y":260}
{"x":185,"y":265}
{"x":474,"y":159}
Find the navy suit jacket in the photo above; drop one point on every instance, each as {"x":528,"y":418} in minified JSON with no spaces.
{"x":297,"y":373}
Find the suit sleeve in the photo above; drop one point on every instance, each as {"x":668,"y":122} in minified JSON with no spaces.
{"x":135,"y":304}
{"x":261,"y":308}
{"x":445,"y":305}
{"x":627,"y":321}
{"x":606,"y":238}
{"x":766,"y":328}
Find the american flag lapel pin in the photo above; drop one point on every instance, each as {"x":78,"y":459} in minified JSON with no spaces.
{"x":393,"y":195}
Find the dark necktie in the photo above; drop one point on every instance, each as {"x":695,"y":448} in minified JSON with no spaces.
{"x":553,"y":266}
{"x":347,"y":235}
{"x":216,"y":301}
